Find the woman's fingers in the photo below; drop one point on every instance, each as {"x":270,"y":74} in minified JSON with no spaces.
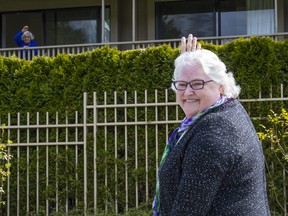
{"x":183,"y":44}
{"x":194,"y":43}
{"x":191,"y":44}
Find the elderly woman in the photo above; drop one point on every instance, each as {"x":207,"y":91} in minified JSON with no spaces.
{"x":213,"y":163}
{"x":24,"y":39}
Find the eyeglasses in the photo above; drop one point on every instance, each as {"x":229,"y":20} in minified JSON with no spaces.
{"x":194,"y":84}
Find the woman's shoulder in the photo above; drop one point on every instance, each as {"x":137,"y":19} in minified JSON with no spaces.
{"x":227,"y":121}
{"x":231,"y":111}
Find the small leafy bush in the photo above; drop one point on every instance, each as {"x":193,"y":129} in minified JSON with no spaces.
{"x":277,"y":134}
{"x":4,"y":164}
{"x":275,"y":137}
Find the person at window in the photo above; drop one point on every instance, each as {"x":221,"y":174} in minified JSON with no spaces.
{"x":213,"y":163}
{"x":24,"y":38}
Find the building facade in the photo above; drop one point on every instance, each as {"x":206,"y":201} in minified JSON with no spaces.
{"x":60,"y":22}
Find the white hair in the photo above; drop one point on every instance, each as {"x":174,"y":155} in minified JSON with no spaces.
{"x":27,"y":33}
{"x":212,"y":66}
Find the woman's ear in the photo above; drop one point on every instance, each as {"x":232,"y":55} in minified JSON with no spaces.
{"x":221,"y":89}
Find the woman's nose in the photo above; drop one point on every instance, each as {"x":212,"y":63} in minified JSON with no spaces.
{"x":189,"y":90}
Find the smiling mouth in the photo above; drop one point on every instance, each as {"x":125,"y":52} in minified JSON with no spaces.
{"x":191,"y":101}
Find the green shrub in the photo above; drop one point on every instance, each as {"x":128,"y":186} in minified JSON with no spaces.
{"x":274,"y":135}
{"x":5,"y":164}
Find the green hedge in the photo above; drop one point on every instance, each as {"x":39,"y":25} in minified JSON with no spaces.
{"x":57,"y":85}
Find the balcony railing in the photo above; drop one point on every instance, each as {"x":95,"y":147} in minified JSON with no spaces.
{"x":52,"y":51}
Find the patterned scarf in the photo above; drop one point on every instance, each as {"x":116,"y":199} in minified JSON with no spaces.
{"x":173,"y":140}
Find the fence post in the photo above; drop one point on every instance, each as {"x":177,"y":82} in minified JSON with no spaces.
{"x":85,"y":150}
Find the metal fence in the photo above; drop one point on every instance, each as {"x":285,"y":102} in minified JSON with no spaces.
{"x":52,"y":51}
{"x":113,"y":125}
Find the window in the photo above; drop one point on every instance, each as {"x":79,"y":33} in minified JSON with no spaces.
{"x":206,"y":18}
{"x":246,"y":17}
{"x":12,"y":23}
{"x":58,"y":27}
{"x":177,"y":19}
{"x":73,"y":26}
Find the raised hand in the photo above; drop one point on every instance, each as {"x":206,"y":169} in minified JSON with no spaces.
{"x":191,"y":44}
{"x":25,"y":28}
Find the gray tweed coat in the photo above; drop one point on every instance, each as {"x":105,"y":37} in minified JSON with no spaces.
{"x":217,"y":168}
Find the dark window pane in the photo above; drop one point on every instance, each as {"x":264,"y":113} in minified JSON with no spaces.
{"x":73,"y":26}
{"x":177,"y":19}
{"x":14,"y":22}
{"x":57,"y":27}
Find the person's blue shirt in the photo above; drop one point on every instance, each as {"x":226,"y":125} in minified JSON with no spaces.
{"x":21,"y":43}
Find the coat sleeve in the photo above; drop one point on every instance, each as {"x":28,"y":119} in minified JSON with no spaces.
{"x":204,"y":166}
{"x":17,"y":38}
